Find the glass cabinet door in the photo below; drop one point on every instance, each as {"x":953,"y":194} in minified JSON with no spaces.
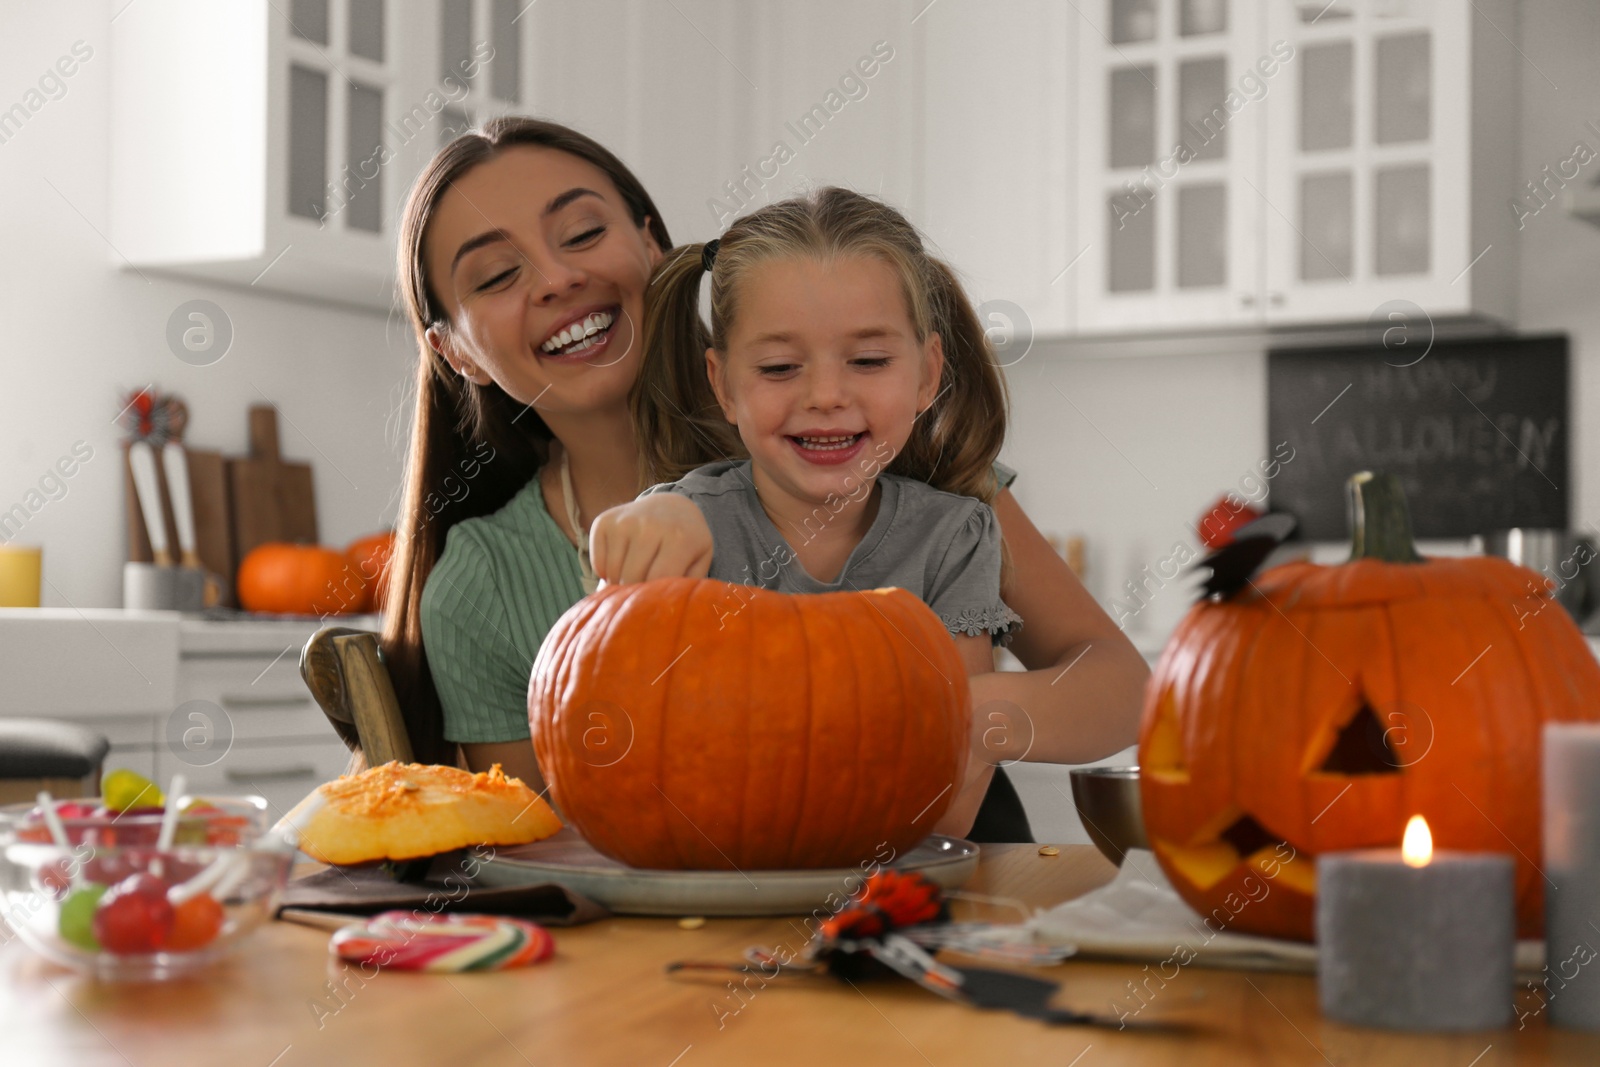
{"x":1359,"y":158}
{"x":341,"y":80}
{"x":373,"y":88}
{"x":1171,"y":114}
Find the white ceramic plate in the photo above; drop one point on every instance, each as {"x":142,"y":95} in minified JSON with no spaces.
{"x":568,"y":859}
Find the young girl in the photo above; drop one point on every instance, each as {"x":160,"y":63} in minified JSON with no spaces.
{"x":870,"y":410}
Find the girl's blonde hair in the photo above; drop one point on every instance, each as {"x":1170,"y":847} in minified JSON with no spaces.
{"x":677,"y":420}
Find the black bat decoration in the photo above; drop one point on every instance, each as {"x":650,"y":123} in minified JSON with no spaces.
{"x":1234,"y":564}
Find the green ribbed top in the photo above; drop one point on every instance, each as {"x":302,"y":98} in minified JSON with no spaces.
{"x":502,"y":581}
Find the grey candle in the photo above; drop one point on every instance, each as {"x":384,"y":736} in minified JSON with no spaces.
{"x":1426,"y":947}
{"x":1572,"y":867}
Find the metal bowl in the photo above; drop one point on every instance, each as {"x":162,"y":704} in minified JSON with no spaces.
{"x":1107,"y":799}
{"x":1563,"y":558}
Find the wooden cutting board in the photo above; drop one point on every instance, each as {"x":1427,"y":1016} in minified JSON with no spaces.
{"x":272,"y":500}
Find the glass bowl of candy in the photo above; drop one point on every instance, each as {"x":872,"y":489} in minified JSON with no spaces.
{"x":98,"y":893}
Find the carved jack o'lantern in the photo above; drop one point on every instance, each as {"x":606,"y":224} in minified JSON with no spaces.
{"x":1323,"y":706}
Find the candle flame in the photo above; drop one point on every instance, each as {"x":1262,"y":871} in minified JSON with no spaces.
{"x":1417,"y":846}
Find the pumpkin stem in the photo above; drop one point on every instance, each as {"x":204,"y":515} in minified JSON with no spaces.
{"x":1380,"y":522}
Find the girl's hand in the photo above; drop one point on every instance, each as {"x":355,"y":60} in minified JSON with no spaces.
{"x":978,"y":655}
{"x":663,"y":535}
{"x":958,"y":818}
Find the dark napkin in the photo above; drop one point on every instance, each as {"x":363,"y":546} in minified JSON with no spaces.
{"x":445,"y":887}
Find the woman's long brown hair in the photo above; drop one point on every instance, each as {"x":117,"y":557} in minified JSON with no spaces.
{"x":472,"y":446}
{"x":678,"y":422}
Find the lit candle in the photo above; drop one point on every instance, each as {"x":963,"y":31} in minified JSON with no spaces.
{"x":1414,"y":939}
{"x":1572,"y":867}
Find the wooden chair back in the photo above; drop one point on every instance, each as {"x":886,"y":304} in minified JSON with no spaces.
{"x":344,"y":670}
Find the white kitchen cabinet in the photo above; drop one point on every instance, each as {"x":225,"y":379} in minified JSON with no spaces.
{"x":281,"y":771}
{"x":674,"y":103}
{"x":271,"y":144}
{"x":1294,"y":163}
{"x":839,"y":87}
{"x":721,"y":106}
{"x":998,"y":101}
{"x":1390,"y":157}
{"x":244,"y":721}
{"x":1168,"y":147}
{"x":220,"y":701}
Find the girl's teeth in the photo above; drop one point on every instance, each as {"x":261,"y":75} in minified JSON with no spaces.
{"x":828,"y":444}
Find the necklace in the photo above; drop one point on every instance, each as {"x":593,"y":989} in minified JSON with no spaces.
{"x":591,"y":581}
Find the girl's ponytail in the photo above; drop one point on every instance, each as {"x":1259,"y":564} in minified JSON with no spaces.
{"x":954,"y":444}
{"x":965,"y":427}
{"x":677,"y":421}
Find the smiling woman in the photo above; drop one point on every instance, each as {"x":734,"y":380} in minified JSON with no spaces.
{"x":526,"y":252}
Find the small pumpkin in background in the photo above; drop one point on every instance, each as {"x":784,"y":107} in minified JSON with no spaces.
{"x":288,"y":579}
{"x":691,"y":724}
{"x":369,"y":558}
{"x":1323,"y":706}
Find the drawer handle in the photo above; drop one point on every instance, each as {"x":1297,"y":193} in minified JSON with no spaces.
{"x":241,"y":703}
{"x":277,"y":774}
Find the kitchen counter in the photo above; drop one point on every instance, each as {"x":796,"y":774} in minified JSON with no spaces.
{"x":604,"y":998}
{"x":219,"y":699}
{"x":69,"y":662}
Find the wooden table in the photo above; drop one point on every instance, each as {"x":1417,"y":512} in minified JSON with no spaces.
{"x":605,"y":1000}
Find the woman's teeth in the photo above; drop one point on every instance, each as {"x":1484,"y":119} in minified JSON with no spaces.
{"x":828,"y":444}
{"x":580,"y":335}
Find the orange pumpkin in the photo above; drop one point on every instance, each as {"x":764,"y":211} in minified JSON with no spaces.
{"x":286,"y":579}
{"x":369,"y":558}
{"x":1323,"y":706}
{"x":691,"y":724}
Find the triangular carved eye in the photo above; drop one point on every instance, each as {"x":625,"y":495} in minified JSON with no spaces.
{"x":1163,"y":751}
{"x":1362,"y":747}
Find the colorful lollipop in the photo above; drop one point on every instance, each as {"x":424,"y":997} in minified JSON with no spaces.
{"x":75,"y":921}
{"x":443,"y":944}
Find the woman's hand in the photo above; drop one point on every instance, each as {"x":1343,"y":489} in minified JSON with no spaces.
{"x":663,"y":535}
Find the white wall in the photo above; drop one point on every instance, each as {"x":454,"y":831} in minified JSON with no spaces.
{"x":1560,"y":275}
{"x":78,"y":330}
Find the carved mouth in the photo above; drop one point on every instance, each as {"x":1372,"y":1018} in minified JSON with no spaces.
{"x":1234,"y":838}
{"x":1361,"y":748}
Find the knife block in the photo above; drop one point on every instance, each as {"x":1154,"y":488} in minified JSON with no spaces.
{"x":213,"y":532}
{"x":239,"y":502}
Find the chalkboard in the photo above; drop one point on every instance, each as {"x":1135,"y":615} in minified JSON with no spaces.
{"x":1477,"y":431}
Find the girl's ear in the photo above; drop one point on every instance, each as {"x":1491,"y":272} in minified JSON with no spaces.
{"x":714,"y":368}
{"x":441,"y":342}
{"x":933,"y":371}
